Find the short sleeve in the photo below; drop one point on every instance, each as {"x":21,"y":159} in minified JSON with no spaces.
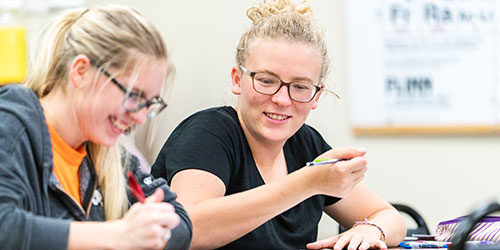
{"x":203,"y":141}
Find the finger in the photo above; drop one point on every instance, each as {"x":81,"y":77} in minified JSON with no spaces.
{"x":159,"y":236}
{"x":166,"y":237}
{"x":157,"y":196}
{"x":319,"y":244}
{"x":359,"y":173}
{"x":154,"y":214}
{"x":355,"y":242}
{"x":161,"y":207}
{"x":346,"y":153}
{"x":159,"y":211}
{"x":341,"y":242}
{"x":354,"y":165}
{"x":379,"y":244}
{"x":134,"y":208}
{"x":356,"y":177}
{"x":170,"y":220}
{"x":365,"y":245}
{"x":358,"y":180}
{"x":137,"y":209}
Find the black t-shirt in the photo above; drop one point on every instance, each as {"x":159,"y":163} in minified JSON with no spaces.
{"x":213,"y":140}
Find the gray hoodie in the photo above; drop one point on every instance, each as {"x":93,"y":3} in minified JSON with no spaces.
{"x":34,"y":211}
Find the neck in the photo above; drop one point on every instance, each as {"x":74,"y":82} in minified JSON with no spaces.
{"x":265,"y":153}
{"x":269,"y":158}
{"x":60,"y":115}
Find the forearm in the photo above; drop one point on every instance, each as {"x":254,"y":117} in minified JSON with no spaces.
{"x":20,"y":229}
{"x":219,"y":221}
{"x":83,"y":235}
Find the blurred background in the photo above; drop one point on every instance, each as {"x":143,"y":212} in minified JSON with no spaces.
{"x":441,"y":175}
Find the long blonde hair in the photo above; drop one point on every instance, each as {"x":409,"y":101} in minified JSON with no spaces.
{"x":112,"y":36}
{"x":284,"y":19}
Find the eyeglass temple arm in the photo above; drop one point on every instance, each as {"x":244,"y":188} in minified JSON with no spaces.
{"x":331,"y":91}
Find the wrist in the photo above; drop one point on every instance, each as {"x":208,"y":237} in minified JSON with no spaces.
{"x":114,"y":231}
{"x":308,"y":180}
{"x":81,"y":232}
{"x":371,"y":225}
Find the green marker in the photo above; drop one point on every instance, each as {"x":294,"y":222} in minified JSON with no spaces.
{"x":323,"y":162}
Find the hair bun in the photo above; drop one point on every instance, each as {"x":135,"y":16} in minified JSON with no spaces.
{"x":269,"y":8}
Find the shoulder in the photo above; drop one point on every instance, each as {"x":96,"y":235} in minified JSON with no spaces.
{"x":19,"y":101}
{"x":214,"y":115}
{"x":21,"y":114}
{"x":17,"y":94}
{"x":208,"y":140}
{"x":18,"y":106}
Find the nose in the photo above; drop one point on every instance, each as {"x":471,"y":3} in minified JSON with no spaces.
{"x":282,"y":97}
{"x":140,"y":116}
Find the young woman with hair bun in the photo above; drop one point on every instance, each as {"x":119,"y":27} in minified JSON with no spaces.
{"x":241,"y":171}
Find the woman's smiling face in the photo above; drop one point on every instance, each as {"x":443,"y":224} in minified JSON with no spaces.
{"x":104,"y":119}
{"x":275,"y":118}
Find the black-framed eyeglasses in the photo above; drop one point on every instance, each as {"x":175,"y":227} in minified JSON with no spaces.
{"x":301,"y":90}
{"x":134,"y":101}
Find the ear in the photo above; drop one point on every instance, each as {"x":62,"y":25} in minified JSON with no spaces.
{"x":315,"y":100}
{"x":235,"y":80}
{"x":78,"y":69}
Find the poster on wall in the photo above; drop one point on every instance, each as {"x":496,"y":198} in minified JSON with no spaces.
{"x":420,"y":67}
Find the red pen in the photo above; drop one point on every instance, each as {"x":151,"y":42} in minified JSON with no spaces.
{"x":135,"y":188}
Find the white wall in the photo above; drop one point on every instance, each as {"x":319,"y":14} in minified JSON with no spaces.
{"x":441,"y":176}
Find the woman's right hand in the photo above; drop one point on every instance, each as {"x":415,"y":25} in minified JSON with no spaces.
{"x":146,"y":225}
{"x":339,"y":179}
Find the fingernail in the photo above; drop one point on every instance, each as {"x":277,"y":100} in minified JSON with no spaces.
{"x":361,"y":150}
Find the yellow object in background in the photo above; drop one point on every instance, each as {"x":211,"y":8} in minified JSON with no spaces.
{"x":12,"y":54}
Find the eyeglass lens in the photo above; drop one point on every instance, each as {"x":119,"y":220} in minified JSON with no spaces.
{"x":134,"y":102}
{"x":299,"y":90}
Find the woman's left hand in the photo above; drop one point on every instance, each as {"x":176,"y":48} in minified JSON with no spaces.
{"x":360,"y":237}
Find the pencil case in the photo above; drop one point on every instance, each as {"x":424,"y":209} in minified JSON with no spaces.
{"x":488,"y":229}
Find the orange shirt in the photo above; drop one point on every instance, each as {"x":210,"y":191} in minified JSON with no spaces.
{"x":67,"y":161}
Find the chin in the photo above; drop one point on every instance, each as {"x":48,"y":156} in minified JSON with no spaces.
{"x":110,"y":142}
{"x":106,"y":141}
{"x":276,"y":136}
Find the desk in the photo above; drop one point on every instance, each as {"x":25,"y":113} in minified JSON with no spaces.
{"x":394,"y":248}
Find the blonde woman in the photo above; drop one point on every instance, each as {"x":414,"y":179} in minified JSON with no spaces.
{"x":239,"y":171}
{"x":96,"y":74}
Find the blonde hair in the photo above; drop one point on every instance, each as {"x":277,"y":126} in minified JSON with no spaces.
{"x":284,"y":19}
{"x":112,"y":36}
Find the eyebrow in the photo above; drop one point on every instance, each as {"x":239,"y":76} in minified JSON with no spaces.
{"x":138,"y":91}
{"x":134,"y":89}
{"x":292,"y":80}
